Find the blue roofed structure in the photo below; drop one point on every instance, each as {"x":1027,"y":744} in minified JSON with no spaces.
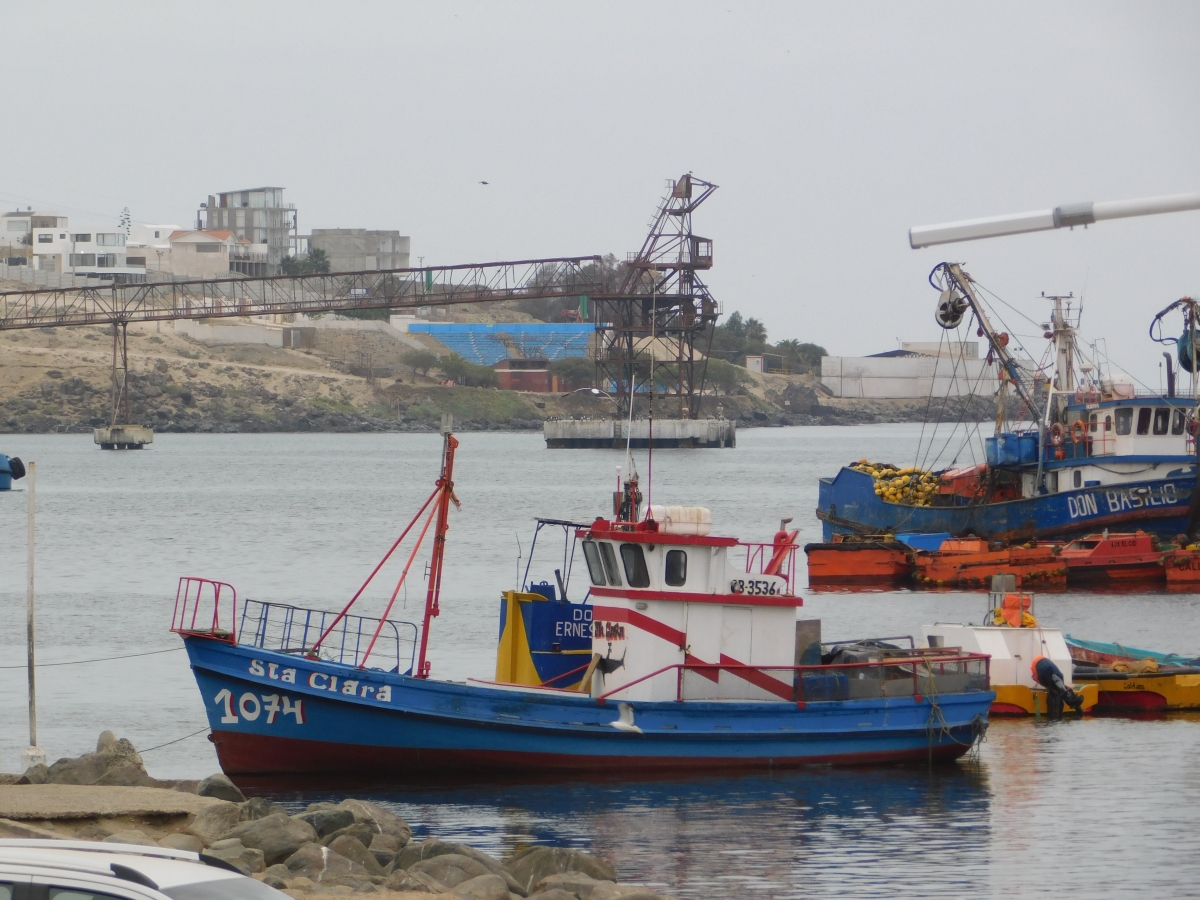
{"x":488,"y":344}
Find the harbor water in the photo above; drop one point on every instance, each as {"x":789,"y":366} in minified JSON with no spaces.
{"x":1097,"y":808}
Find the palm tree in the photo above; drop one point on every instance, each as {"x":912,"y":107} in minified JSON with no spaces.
{"x":318,"y":261}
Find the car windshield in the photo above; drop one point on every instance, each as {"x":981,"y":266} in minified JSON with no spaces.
{"x":223,"y":889}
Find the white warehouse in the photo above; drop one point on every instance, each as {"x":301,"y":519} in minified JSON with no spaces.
{"x":910,"y":374}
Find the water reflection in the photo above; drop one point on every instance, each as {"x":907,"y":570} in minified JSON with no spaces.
{"x":772,"y":835}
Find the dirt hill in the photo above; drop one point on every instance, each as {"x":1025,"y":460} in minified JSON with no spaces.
{"x":59,"y":380}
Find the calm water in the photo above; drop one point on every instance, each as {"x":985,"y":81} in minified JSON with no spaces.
{"x":1092,"y":808}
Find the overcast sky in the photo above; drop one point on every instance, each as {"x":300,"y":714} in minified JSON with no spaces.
{"x":830,"y":128}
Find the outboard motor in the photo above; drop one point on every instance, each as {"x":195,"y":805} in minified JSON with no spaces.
{"x":11,"y":469}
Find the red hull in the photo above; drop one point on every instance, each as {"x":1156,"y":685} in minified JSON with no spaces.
{"x":1182,"y":567}
{"x":1141,"y":701}
{"x":247,"y":754}
{"x":1099,"y":558}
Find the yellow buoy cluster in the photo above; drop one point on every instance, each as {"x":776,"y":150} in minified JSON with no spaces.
{"x":911,"y":486}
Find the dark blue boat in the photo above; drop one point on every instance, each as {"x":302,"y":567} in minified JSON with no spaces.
{"x":1099,"y":454}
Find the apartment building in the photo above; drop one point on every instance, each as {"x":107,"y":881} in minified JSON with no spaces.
{"x":256,"y":215}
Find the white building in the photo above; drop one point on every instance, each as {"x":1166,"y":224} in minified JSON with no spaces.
{"x":45,"y":242}
{"x":905,"y":375}
{"x":150,"y":246}
{"x":17,"y":244}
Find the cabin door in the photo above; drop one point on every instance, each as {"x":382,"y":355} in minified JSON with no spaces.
{"x":736,"y":632}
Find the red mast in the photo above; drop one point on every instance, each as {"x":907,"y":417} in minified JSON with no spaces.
{"x":445,"y":495}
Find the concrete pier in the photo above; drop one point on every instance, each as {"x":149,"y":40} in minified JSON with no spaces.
{"x":601,"y":433}
{"x":123,"y":437}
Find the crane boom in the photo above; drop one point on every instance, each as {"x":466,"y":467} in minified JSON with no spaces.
{"x":1066,"y":216}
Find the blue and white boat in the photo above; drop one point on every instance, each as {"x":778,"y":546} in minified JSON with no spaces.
{"x":1099,"y":454}
{"x":684,"y":653}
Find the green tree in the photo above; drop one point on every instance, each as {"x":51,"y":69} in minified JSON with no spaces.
{"x":727,"y":378}
{"x":465,"y":372}
{"x":420,"y":360}
{"x":318,"y":261}
{"x":573,"y":372}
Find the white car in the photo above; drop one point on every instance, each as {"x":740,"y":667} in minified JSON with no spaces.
{"x":85,"y":870}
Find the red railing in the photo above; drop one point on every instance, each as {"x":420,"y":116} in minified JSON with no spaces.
{"x":772,"y":559}
{"x":920,"y":669}
{"x":198,"y":609}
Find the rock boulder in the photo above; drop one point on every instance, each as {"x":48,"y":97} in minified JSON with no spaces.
{"x":277,"y":836}
{"x":328,"y":820}
{"x":258,"y":808}
{"x":318,"y":863}
{"x":221,"y":787}
{"x":215,"y":822}
{"x":451,"y":869}
{"x":483,"y":887}
{"x":353,"y":849}
{"x":187,"y":842}
{"x":533,"y":864}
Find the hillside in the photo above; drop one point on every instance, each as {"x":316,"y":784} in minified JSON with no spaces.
{"x":58,"y":380}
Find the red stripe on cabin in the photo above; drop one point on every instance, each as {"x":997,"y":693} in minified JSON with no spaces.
{"x":759,"y":679}
{"x":645,"y":623}
{"x":756,"y":677}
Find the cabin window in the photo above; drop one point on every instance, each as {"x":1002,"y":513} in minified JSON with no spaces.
{"x":1092,"y":423}
{"x":636,"y":572}
{"x":591,"y":553}
{"x":1178,"y":419}
{"x":676,"y":568}
{"x":1124,"y":420}
{"x":1144,"y":420}
{"x":1161,"y":418}
{"x":1078,"y":480}
{"x":610,"y":563}
{"x":1108,"y":423}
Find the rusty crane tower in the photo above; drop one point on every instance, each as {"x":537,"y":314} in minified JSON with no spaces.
{"x":649,"y":331}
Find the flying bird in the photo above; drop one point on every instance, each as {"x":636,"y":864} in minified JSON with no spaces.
{"x":483,"y":182}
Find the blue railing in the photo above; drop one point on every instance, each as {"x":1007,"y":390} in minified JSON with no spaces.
{"x":293,"y":629}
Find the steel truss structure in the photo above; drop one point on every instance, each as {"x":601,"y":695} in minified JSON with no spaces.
{"x":119,"y":304}
{"x":283,"y":294}
{"x":647,"y":333}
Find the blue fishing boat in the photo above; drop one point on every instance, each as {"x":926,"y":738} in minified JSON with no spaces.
{"x":1095,"y":453}
{"x":683,"y":652}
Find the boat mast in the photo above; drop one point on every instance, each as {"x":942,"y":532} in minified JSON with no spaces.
{"x":963,"y":282}
{"x":445,"y":496}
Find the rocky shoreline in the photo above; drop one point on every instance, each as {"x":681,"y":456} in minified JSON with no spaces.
{"x":349,"y":847}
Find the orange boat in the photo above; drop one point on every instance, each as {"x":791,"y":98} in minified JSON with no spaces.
{"x":971,"y":562}
{"x":1182,"y":568}
{"x":1114,"y":557}
{"x":869,"y":562}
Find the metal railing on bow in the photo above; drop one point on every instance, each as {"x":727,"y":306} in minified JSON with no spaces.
{"x":293,"y":629}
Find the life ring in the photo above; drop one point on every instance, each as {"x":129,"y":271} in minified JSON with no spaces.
{"x":1056,"y":435}
{"x":1078,"y":431}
